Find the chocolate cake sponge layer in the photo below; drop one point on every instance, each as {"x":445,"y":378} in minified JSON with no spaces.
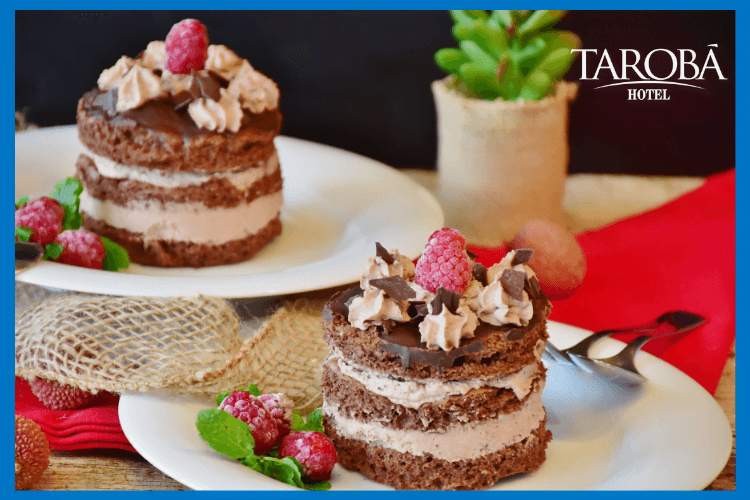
{"x":498,"y":355}
{"x":213,"y":193}
{"x":124,"y":139}
{"x":413,"y":472}
{"x":353,"y":400}
{"x":163,"y":253}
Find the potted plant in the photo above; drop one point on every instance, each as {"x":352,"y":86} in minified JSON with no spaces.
{"x":502,"y":121}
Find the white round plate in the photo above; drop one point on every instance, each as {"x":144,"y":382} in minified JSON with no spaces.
{"x":337,"y":204}
{"x":669,"y":434}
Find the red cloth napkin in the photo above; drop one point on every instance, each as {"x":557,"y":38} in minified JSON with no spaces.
{"x":678,"y":256}
{"x":97,"y":426}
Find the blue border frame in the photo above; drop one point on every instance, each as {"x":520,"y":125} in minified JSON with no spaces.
{"x":742,"y":20}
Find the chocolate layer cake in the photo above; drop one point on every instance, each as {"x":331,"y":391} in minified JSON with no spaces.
{"x":416,"y":411}
{"x":181,"y":169}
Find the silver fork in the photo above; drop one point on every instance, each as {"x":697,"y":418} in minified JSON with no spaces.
{"x":621,"y":367}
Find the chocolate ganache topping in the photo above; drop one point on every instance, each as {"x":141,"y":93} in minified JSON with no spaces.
{"x":402,"y":330}
{"x":227,"y":95}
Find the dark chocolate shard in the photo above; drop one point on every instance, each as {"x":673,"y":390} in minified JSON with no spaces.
{"x":107,"y":101}
{"x":531,"y":285}
{"x":447,"y":298}
{"x":340,"y":302}
{"x":420,"y":309}
{"x":395,"y":287}
{"x":479,"y":273}
{"x":515,"y":334}
{"x":522,"y":256}
{"x":381,"y":252}
{"x":181,"y":99}
{"x":205,"y":86}
{"x":512,"y":282}
{"x":220,"y":79}
{"x":471,"y":254}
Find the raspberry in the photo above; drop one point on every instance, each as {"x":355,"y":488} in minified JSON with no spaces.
{"x":444,"y":263}
{"x":280,"y":407}
{"x":81,"y":248}
{"x":255,"y":414}
{"x":59,"y":396}
{"x":44,"y":216}
{"x":186,"y":47}
{"x":313,"y":450}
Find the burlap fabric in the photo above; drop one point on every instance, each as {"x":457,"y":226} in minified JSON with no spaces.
{"x":198,"y":345}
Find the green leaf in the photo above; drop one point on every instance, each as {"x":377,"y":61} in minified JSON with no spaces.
{"x":532,"y":49}
{"x":478,"y":56}
{"x":287,"y":470}
{"x":115,"y":257}
{"x":22,"y":201}
{"x":536,"y":86}
{"x":314,"y":421}
{"x":449,"y":60}
{"x":494,"y":41}
{"x":52,"y":251}
{"x":503,"y":17}
{"x":462,"y":17}
{"x":23,"y":233}
{"x":538,"y":20}
{"x":480,"y":81}
{"x":251,"y":388}
{"x":478,"y":14}
{"x":224,"y":433}
{"x":67,"y":193}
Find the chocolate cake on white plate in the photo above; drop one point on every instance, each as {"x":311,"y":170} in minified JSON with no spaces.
{"x":179,"y":165}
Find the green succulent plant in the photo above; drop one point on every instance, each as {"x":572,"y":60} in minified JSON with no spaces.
{"x":508,"y":54}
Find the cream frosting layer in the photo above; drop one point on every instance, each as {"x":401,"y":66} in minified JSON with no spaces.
{"x":413,"y":393}
{"x":240,"y":177}
{"x":190,"y":222}
{"x":459,"y":442}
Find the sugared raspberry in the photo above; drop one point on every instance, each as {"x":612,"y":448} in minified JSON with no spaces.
{"x":313,"y":450}
{"x":280,"y":407}
{"x":444,"y":263}
{"x":58,"y":396}
{"x":186,"y":47}
{"x":81,"y":248}
{"x":44,"y":216}
{"x":255,"y":414}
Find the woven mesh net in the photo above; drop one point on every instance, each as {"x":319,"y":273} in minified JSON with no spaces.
{"x":199,"y":345}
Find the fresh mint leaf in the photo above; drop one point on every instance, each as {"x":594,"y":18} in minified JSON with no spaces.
{"x":251,"y":388}
{"x":224,"y":433}
{"x":115,"y":257}
{"x":23,"y":233}
{"x":314,"y":422}
{"x":287,"y":470}
{"x":67,"y":193}
{"x":52,"y":251}
{"x":22,"y":201}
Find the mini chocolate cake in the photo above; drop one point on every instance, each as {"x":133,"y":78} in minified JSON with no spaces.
{"x":181,"y":169}
{"x":437,"y":390}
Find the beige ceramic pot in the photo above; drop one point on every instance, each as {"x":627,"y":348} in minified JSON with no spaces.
{"x":501,"y":163}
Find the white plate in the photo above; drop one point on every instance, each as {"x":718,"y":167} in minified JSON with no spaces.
{"x":336,"y":206}
{"x":670,"y":434}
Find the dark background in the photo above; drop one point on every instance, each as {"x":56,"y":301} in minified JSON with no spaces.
{"x":360,"y":80}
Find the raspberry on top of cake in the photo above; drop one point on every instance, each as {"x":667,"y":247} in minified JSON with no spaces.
{"x":434,"y":378}
{"x":179,"y":165}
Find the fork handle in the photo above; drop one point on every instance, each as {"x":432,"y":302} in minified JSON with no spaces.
{"x":582,"y":347}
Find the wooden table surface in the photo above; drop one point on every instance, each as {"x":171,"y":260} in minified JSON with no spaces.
{"x":614,"y":196}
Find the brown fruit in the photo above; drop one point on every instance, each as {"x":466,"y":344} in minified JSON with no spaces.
{"x":32,"y":452}
{"x":558,"y":260}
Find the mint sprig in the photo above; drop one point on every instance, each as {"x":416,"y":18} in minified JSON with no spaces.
{"x":23,"y":200}
{"x":23,"y":233}
{"x":67,"y":193}
{"x":230,"y":436}
{"x":52,"y":251}
{"x":115,"y":257}
{"x":314,"y":422}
